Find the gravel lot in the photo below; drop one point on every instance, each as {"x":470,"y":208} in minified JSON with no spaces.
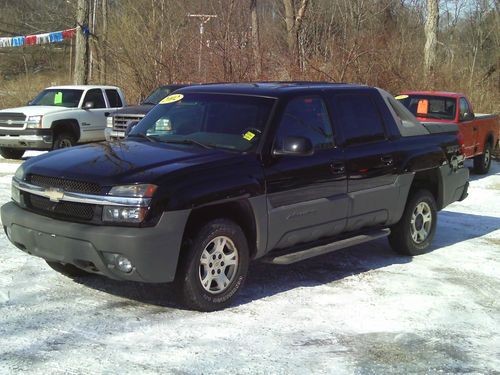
{"x":363,"y":310}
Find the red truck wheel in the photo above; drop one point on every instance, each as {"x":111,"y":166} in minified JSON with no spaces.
{"x":482,"y":162}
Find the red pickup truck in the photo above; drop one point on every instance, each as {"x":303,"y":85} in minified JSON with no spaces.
{"x":479,"y":133}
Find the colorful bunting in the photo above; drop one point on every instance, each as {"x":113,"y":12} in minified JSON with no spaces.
{"x":30,"y":40}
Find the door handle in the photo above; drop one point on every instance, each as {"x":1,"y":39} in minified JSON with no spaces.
{"x":337,"y":168}
{"x":106,"y":114}
{"x":387,"y":159}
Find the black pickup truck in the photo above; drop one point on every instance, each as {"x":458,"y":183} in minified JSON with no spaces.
{"x":218,"y":175}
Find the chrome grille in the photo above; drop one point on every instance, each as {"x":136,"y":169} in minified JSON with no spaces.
{"x":120,"y":121}
{"x":12,"y":120}
{"x":66,"y":185}
{"x":69,"y":210}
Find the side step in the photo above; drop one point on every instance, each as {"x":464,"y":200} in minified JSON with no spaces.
{"x":296,"y":256}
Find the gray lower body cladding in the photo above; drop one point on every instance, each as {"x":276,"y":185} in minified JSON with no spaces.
{"x":153,"y":251}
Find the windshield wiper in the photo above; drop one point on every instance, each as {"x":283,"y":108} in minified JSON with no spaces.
{"x":145,"y":103}
{"x":144,"y":136}
{"x":189,"y":142}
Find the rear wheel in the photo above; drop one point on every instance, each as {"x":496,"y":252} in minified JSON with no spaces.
{"x":414,"y":232}
{"x":67,"y":269}
{"x":482,"y":162}
{"x":11,"y":153}
{"x":63,"y":140}
{"x":214,"y":266}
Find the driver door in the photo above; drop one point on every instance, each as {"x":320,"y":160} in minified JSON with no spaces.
{"x":93,"y":121}
{"x":307,"y":195}
{"x":467,"y":128}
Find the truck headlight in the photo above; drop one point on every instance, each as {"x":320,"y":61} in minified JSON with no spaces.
{"x":134,"y":191}
{"x":120,"y":214}
{"x":15,"y":194}
{"x":128,"y":214}
{"x":34,"y":122}
{"x":19,"y":175}
{"x":109,"y":121}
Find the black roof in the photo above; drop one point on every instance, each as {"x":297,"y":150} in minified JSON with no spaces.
{"x":272,"y":89}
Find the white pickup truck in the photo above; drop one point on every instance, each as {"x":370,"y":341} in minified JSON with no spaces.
{"x":58,"y":117}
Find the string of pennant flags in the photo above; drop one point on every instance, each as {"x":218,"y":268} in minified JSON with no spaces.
{"x":45,"y":38}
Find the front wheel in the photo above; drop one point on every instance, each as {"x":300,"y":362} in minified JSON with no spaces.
{"x":11,"y":153}
{"x":414,"y":232}
{"x":482,"y":162}
{"x":214,"y":266}
{"x":63,"y":140}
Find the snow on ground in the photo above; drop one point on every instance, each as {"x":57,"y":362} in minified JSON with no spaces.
{"x":362,"y":310}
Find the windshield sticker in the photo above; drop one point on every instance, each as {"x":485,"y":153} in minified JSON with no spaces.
{"x":58,"y":98}
{"x":172,"y":99}
{"x":249,"y":136}
{"x":401,"y":97}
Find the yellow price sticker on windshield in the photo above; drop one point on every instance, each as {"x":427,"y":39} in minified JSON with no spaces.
{"x":401,"y":97}
{"x":249,"y":136}
{"x":172,"y":98}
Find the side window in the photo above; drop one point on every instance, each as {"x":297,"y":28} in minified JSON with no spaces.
{"x":464,"y":107}
{"x":95,"y":96}
{"x":114,"y":99}
{"x":358,"y":117}
{"x":306,"y":117}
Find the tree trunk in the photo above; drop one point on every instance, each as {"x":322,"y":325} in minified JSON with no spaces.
{"x":431,"y":31}
{"x":293,"y":22}
{"x":255,"y":39}
{"x":104,"y":40}
{"x":82,"y":46}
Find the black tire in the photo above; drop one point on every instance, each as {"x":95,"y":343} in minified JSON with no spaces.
{"x":11,"y":153}
{"x":402,"y":237}
{"x":192,"y":270}
{"x":63,"y":140}
{"x":67,"y":269}
{"x":482,"y":162}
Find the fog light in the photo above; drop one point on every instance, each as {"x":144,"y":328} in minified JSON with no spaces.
{"x":123,"y":264}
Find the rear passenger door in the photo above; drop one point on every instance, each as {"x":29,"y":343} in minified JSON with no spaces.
{"x":370,"y":158}
{"x":306,"y":194}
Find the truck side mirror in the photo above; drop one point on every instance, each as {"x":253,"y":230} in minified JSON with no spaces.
{"x":130,"y":126}
{"x":295,"y":146}
{"x":88,"y":105}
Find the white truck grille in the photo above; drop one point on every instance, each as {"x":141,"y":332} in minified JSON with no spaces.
{"x":12,"y":120}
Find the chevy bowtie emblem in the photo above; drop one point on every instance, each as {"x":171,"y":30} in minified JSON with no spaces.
{"x":55,"y":195}
{"x":9,"y":122}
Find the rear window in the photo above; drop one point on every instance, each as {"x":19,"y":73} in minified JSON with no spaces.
{"x":428,"y":106}
{"x":358,"y":118}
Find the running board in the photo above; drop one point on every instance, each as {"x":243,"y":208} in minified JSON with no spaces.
{"x":297,"y":256}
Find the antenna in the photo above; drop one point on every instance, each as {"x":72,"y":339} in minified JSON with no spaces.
{"x":203,"y":18}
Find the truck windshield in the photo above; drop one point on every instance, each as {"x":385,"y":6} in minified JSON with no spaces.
{"x":233,"y":122}
{"x":58,"y":98}
{"x":427,"y":106}
{"x":157,"y":95}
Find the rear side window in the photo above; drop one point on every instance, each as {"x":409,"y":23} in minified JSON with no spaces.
{"x":306,"y":117}
{"x":95,"y":96}
{"x":114,"y":99}
{"x":358,"y":118}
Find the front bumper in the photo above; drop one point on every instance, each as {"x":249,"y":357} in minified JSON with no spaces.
{"x":153,"y":251}
{"x":111,"y":134}
{"x":27,"y":139}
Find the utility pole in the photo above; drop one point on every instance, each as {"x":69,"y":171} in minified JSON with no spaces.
{"x":81,"y":44}
{"x":204,"y":18}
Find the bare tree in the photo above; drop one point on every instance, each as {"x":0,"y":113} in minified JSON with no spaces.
{"x":256,"y":38}
{"x":82,"y":44}
{"x":293,"y":21}
{"x":431,"y":31}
